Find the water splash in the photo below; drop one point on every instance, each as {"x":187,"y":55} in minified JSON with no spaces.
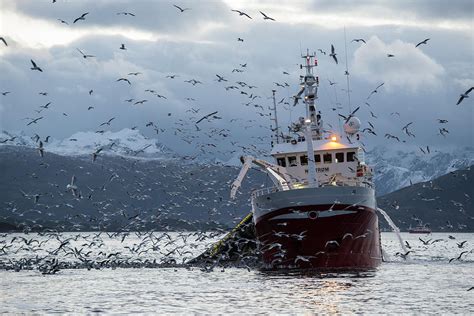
{"x":394,"y":228}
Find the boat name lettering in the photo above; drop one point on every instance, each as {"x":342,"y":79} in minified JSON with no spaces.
{"x":326,"y":169}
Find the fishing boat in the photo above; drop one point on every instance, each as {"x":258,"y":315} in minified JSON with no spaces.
{"x":420,"y":229}
{"x":320,"y":212}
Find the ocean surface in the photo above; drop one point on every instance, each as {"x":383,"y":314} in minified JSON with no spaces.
{"x":131,"y":274}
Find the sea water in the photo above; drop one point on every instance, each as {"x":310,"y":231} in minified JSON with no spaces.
{"x":424,"y":283}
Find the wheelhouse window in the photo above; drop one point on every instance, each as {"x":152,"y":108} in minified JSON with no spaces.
{"x":304,"y":160}
{"x":327,"y":158}
{"x":281,"y":161}
{"x":339,"y":157}
{"x":292,"y":161}
{"x":317,"y":158}
{"x":351,"y":156}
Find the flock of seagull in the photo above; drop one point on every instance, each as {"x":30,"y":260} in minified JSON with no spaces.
{"x":188,"y":129}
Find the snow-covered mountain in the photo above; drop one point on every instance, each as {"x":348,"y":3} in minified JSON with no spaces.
{"x":126,"y":142}
{"x":395,"y":169}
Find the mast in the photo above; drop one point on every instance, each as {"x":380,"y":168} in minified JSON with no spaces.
{"x":312,"y":121}
{"x":347,"y":73}
{"x":275,"y":118}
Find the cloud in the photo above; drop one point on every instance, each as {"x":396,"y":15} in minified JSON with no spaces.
{"x":410,"y":69}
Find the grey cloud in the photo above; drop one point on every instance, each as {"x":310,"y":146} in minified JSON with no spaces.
{"x":268,"y":49}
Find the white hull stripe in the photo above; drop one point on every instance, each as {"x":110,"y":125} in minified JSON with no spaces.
{"x":304,"y":215}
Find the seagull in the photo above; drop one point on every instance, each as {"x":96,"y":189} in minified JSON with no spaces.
{"x":459,"y":257}
{"x":35,"y":67}
{"x":403,"y":255}
{"x":82,"y":17}
{"x":62,"y":21}
{"x":266,"y":17}
{"x":464,"y":95}
{"x":180,"y":9}
{"x":303,"y":258}
{"x":422,"y":42}
{"x":331,"y":242}
{"x":405,"y":128}
{"x":242,"y":13}
{"x":5,"y":93}
{"x":41,"y":149}
{"x":4,"y":41}
{"x":140,"y":102}
{"x":125,"y":13}
{"x":84,"y":55}
{"x":441,"y":121}
{"x":205,"y":117}
{"x":375,"y":90}
{"x":34,"y":121}
{"x":359,"y":40}
{"x":124,"y":79}
{"x":347,"y":118}
{"x":108,"y":122}
{"x":333,"y":53}
{"x":95,"y":154}
{"x":91,"y":91}
{"x":73,"y":187}
{"x":123,"y":47}
{"x":45,"y":106}
{"x":240,"y":39}
{"x":220,"y":78}
{"x":390,"y":55}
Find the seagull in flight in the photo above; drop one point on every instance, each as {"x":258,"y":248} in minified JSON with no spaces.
{"x":333,"y":53}
{"x":4,"y":41}
{"x":34,"y":121}
{"x":35,"y":67}
{"x":359,"y":40}
{"x":205,"y":117}
{"x":124,"y":79}
{"x":464,"y":95}
{"x":347,"y":118}
{"x":108,"y":122}
{"x":242,"y":13}
{"x":266,"y":17}
{"x":41,"y":149}
{"x":423,"y":42}
{"x":375,"y":90}
{"x":181,"y":9}
{"x":125,"y":13}
{"x":82,"y":17}
{"x":84,"y":55}
{"x":73,"y":187}
{"x":62,"y":21}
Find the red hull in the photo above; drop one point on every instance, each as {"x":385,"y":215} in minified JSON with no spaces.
{"x":341,"y":242}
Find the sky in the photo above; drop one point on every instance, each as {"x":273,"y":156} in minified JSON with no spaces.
{"x":168,"y":47}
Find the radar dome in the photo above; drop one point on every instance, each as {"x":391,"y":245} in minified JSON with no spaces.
{"x":352,"y":126}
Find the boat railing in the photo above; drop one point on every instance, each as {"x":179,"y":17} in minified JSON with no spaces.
{"x":304,"y":185}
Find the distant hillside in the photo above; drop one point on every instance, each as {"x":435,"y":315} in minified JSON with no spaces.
{"x":396,"y":168}
{"x":117,"y":193}
{"x":445,"y":203}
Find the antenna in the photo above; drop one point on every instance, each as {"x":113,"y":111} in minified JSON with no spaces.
{"x":347,"y":73}
{"x":277,"y":128}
